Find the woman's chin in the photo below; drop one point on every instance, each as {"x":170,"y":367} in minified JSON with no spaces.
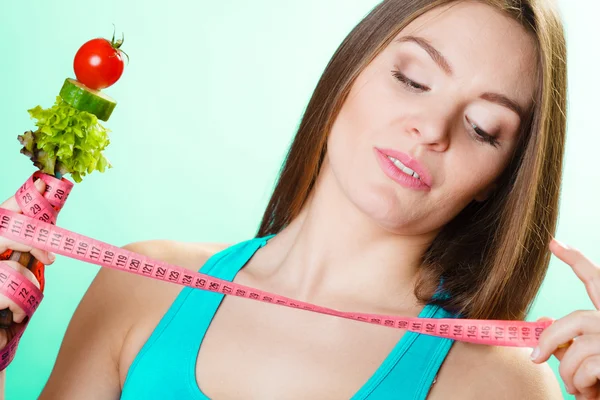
{"x":390,"y":213}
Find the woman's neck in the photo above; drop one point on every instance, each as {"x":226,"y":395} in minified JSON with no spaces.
{"x":333,"y":252}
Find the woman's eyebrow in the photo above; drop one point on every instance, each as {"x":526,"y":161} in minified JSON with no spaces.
{"x":445,"y":65}
{"x":438,"y":57}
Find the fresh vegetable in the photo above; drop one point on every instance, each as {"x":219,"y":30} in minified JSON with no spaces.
{"x":85,"y":99}
{"x":67,"y":141}
{"x":99,"y":63}
{"x":69,"y":138}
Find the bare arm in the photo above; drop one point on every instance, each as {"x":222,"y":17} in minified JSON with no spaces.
{"x":87,"y":363}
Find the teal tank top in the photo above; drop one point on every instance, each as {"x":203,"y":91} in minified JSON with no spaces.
{"x":165,"y":367}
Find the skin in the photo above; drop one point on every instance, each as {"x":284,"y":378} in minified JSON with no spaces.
{"x":575,"y":339}
{"x":355,"y":245}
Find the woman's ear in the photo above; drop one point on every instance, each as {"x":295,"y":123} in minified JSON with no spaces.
{"x":486,"y":193}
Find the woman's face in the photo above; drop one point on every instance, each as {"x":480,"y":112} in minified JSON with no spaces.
{"x":449,"y":93}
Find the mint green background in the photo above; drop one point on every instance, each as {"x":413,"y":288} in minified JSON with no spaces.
{"x":207,"y":108}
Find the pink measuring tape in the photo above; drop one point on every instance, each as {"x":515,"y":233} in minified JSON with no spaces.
{"x":36,"y":228}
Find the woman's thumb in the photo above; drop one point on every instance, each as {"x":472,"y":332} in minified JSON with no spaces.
{"x":40,"y":185}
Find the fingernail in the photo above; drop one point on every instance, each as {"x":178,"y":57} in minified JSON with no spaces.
{"x":535,"y":353}
{"x":544,"y":319}
{"x":52,"y":256}
{"x":561,"y":244}
{"x":569,"y":390}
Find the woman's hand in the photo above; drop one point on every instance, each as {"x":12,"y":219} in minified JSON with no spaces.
{"x":5,"y":244}
{"x":575,"y":339}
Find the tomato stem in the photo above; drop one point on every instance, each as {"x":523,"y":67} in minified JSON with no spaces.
{"x":117,"y":45}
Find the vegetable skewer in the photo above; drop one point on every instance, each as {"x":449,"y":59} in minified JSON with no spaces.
{"x":69,"y":138}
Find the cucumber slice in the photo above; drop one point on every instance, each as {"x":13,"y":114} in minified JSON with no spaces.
{"x":81,"y":97}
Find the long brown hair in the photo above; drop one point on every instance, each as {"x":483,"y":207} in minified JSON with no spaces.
{"x":492,"y":257}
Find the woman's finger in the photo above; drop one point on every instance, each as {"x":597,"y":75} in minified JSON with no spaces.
{"x":41,"y":255}
{"x":564,"y":330}
{"x":562,"y":349}
{"x":586,"y":270}
{"x":581,"y":348}
{"x":11,"y":203}
{"x":585,"y":380}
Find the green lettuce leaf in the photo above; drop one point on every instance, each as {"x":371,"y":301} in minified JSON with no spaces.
{"x":67,"y":141}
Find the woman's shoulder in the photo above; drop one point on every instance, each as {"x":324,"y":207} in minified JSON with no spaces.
{"x":145,"y":296}
{"x":184,"y":254}
{"x":492,"y":372}
{"x":189,"y":255}
{"x":116,"y":316}
{"x":149,"y":299}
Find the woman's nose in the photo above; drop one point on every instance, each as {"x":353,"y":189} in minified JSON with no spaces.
{"x":432,"y":131}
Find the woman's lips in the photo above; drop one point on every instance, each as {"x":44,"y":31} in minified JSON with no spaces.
{"x":393,"y":171}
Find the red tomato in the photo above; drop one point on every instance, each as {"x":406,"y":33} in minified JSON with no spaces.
{"x":99,"y":63}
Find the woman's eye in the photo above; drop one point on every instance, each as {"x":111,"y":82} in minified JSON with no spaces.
{"x":409,"y":83}
{"x":482,"y":135}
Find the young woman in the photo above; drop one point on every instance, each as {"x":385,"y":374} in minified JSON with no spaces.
{"x":423,"y":181}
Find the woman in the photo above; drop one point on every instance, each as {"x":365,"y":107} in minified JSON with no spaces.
{"x":423,"y":181}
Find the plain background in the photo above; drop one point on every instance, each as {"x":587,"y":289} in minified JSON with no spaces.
{"x":207,"y":108}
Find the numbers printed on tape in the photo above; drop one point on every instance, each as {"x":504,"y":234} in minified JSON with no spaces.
{"x":37,"y":232}
{"x":42,"y":208}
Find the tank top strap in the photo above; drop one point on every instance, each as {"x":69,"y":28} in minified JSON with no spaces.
{"x":426,"y":357}
{"x":172,"y":348}
{"x":412,"y":366}
{"x":237,"y":256}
